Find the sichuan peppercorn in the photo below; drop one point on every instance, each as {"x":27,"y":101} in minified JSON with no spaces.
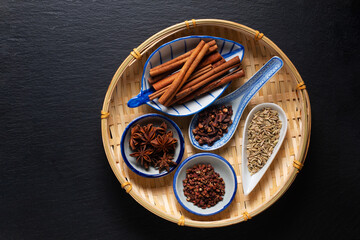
{"x":203,"y":186}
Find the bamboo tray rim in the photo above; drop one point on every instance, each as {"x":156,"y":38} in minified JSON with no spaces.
{"x":303,"y":95}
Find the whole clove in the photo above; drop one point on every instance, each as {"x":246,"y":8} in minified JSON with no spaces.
{"x":212,"y":124}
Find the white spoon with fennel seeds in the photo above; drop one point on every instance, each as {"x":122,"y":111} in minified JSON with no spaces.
{"x":266,"y":140}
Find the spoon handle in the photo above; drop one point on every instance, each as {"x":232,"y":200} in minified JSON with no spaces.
{"x":255,"y":82}
{"x":140,"y":99}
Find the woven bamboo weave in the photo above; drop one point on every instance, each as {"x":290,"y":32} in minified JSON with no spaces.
{"x":286,"y":89}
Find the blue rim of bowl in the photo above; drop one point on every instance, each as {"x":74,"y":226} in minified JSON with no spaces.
{"x":181,"y":143}
{"x":189,"y":159}
{"x":179,"y":39}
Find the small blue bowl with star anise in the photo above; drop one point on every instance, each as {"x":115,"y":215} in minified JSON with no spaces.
{"x":152,"y":145}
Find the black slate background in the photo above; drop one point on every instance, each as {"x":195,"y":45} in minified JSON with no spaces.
{"x":57,"y":60}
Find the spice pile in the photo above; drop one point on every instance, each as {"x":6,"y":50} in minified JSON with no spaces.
{"x":153,"y":146}
{"x":201,"y":70}
{"x":263,"y":135}
{"x":212,"y":124}
{"x":203,"y":186}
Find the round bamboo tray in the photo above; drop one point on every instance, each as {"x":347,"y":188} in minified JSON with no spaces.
{"x":286,"y":89}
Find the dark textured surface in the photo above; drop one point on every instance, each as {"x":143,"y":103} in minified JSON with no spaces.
{"x":57,"y":60}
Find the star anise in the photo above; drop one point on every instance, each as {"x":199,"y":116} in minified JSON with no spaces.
{"x":165,"y":162}
{"x":134,"y":137}
{"x":143,"y":156}
{"x":147,"y":134}
{"x":162,"y":129}
{"x":153,"y":146}
{"x":164,"y":142}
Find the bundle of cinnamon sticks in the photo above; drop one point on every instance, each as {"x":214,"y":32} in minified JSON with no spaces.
{"x":201,"y":70}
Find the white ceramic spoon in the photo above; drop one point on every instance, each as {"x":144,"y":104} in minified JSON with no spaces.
{"x":250,"y":181}
{"x":238,"y":99}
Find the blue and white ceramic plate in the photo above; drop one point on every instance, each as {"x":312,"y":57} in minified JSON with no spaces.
{"x":227,"y":48}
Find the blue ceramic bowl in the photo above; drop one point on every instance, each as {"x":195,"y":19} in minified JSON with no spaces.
{"x":227,"y":48}
{"x":131,"y":162}
{"x":222,"y":167}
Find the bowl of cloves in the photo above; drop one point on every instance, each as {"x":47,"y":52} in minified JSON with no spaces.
{"x":205,"y":184}
{"x":152,"y":145}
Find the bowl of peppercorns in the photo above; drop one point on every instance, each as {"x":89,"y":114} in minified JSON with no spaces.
{"x":152,"y":145}
{"x":205,"y":184}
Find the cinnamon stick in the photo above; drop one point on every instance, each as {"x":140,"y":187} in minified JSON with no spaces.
{"x":164,"y":84}
{"x":219,"y":68}
{"x":218,"y":63}
{"x":170,"y":67}
{"x":217,"y":83}
{"x":166,"y":79}
{"x":153,"y":80}
{"x":169,"y":79}
{"x":185,"y":55}
{"x":158,"y":93}
{"x":213,"y":57}
{"x":193,"y":88}
{"x":226,"y":79}
{"x":161,"y":88}
{"x":175,"y":65}
{"x":200,"y":72}
{"x":185,"y":72}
